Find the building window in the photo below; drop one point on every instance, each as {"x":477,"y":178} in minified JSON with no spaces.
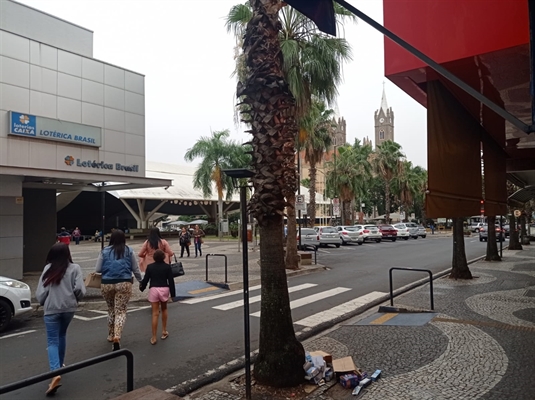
{"x":381,"y":135}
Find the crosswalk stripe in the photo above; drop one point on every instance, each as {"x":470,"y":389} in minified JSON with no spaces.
{"x":339,"y":310}
{"x":216,"y":296}
{"x":255,"y":299}
{"x":311,"y":299}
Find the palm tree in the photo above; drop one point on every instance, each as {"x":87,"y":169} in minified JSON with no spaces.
{"x":386,"y":163}
{"x":316,"y":140}
{"x":311,"y":63}
{"x":269,"y":111}
{"x":217,"y":153}
{"x":410,"y":184}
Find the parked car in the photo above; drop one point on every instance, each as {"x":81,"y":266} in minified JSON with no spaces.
{"x":309,"y":237}
{"x":506,"y":230}
{"x":370,"y":233}
{"x":388,"y":232}
{"x":328,"y":235}
{"x":484,"y":233}
{"x":413,"y":229}
{"x":405,"y":231}
{"x":421,"y":231}
{"x":475,"y":228}
{"x":15,"y":299}
{"x":350,"y":234}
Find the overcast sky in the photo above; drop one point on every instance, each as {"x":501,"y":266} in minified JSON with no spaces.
{"x":186,"y":55}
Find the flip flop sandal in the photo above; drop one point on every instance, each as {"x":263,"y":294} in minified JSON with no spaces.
{"x":165,"y":335}
{"x":153,"y":341}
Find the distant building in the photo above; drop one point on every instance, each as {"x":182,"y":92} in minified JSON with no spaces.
{"x":384,"y":122}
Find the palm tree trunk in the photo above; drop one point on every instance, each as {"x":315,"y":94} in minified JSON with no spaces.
{"x":220,"y":217}
{"x":387,"y":202}
{"x":292,"y":258}
{"x":346,"y":205}
{"x":492,"y":247}
{"x":268,"y":100}
{"x":514,"y":240}
{"x":312,"y":194}
{"x":459,"y":268}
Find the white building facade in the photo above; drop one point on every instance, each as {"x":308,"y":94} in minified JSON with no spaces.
{"x":67,"y":123}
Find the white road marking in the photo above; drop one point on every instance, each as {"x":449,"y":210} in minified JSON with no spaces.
{"x":104,"y":314}
{"x":216,"y":296}
{"x":255,"y":299}
{"x":312,"y":299}
{"x":339,"y":310}
{"x":17,"y":334}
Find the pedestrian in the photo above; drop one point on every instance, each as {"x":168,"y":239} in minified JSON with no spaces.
{"x":198,"y":235}
{"x":432,"y":228}
{"x":162,"y":287}
{"x":76,"y":234}
{"x":117,"y":262}
{"x":60,"y":288}
{"x":153,"y":243}
{"x":184,"y":238}
{"x":64,"y":236}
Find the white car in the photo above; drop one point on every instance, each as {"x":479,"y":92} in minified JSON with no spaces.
{"x":15,"y":299}
{"x":370,"y":233}
{"x":309,"y":238}
{"x":403,"y":231}
{"x":413,"y":229}
{"x":350,"y":234}
{"x":328,"y":235}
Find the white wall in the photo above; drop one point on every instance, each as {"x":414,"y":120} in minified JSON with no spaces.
{"x":45,"y":81}
{"x":34,"y":24}
{"x":11,"y":223}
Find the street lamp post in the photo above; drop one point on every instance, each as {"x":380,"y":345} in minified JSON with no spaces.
{"x":237,"y":174}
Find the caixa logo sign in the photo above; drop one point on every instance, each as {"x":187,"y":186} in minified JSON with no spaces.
{"x":71,"y":161}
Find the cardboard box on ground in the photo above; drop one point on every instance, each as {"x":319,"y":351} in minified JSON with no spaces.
{"x":320,"y":368}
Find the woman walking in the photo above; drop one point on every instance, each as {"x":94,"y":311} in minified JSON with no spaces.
{"x":184,"y":238}
{"x":153,"y":243}
{"x":60,"y":288}
{"x":117,"y":263}
{"x":198,"y":234}
{"x":162,"y":286}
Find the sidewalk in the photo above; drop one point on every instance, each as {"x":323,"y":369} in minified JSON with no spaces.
{"x":479,"y":345}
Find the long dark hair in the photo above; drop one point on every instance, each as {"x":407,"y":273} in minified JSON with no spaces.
{"x":59,"y":257}
{"x":118,"y":243}
{"x":154,"y":238}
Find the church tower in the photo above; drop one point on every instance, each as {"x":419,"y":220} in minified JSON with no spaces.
{"x":384,"y":122}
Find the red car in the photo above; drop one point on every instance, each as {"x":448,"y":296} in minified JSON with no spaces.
{"x":388,"y":232}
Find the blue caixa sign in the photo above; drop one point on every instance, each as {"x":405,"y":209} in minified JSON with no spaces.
{"x":22,"y":124}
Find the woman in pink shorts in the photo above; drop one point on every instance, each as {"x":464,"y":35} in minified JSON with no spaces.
{"x":162,"y":287}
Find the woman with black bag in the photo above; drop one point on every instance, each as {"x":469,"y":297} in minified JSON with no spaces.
{"x":162,"y":287}
{"x":184,"y":238}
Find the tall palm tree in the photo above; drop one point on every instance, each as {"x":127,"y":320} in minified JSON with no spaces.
{"x":387,"y":162}
{"x":269,"y":111}
{"x":311,"y":63}
{"x":217,"y":153}
{"x":410,"y":184}
{"x":316,"y":141}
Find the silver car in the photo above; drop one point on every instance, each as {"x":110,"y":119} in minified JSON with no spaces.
{"x":328,"y":235}
{"x":350,"y":234}
{"x":309,"y":238}
{"x":413,"y":229}
{"x":370,"y":233}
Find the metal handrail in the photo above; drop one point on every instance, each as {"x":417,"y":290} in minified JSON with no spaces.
{"x":411,"y":269}
{"x":74,"y":367}
{"x":226,"y":264}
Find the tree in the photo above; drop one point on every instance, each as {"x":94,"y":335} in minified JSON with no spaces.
{"x":269,"y":111}
{"x":217,"y":153}
{"x":459,"y":265}
{"x":410,"y":185}
{"x":316,"y":140}
{"x":492,"y":247}
{"x":386,"y":163}
{"x":311,"y":63}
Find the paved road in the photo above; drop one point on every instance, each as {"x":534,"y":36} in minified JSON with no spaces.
{"x":208,"y":332}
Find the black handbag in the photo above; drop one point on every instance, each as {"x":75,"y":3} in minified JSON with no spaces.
{"x":177,"y":268}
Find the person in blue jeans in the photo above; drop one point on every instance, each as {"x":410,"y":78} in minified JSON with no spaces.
{"x":61,"y":287}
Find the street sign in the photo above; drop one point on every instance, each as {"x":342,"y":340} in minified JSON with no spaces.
{"x":517,"y":213}
{"x":300,"y":204}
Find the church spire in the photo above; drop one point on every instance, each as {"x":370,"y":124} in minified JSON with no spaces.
{"x":384,"y":104}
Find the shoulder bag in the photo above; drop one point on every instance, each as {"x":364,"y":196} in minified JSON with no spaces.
{"x":177,"y":268}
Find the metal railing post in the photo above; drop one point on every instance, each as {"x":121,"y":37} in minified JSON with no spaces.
{"x":411,"y":269}
{"x":226,"y":265}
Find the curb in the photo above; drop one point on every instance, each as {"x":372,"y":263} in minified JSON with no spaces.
{"x":215,"y":375}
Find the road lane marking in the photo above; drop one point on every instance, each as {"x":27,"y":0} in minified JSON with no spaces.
{"x":312,"y":299}
{"x":216,"y":296}
{"x":17,"y":334}
{"x":339,"y":310}
{"x":255,"y":299}
{"x":104,"y":314}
